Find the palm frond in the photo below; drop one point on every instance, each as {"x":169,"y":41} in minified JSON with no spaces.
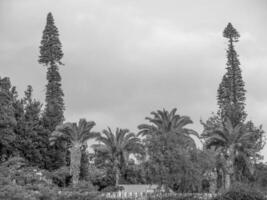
{"x":73,"y":133}
{"x":183,"y":121}
{"x":214,"y":142}
{"x":146,"y":130}
{"x":191,"y":132}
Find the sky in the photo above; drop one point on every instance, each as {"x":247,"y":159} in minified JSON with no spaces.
{"x":126,"y":58}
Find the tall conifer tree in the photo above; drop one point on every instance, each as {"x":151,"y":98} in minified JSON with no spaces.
{"x":231,"y":93}
{"x":238,"y":157}
{"x":50,"y":56}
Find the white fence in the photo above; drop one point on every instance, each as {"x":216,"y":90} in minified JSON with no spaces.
{"x":143,"y":195}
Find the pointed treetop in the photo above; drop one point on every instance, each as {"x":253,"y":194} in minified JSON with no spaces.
{"x":231,"y":93}
{"x":50,"y":18}
{"x":231,"y":33}
{"x":51,"y":48}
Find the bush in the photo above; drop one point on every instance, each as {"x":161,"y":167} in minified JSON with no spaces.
{"x":241,"y":191}
{"x":181,"y":196}
{"x":84,"y":186}
{"x":18,"y":171}
{"x":112,"y":188}
{"x":15,"y":192}
{"x":61,"y":177}
{"x":75,"y":195}
{"x":84,"y":190}
{"x":19,"y":181}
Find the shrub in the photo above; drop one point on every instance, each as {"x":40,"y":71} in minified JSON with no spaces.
{"x":15,"y":192}
{"x":75,"y":195}
{"x":176,"y":197}
{"x":61,"y":177}
{"x":18,"y":171}
{"x":241,"y":191}
{"x":19,"y":181}
{"x":84,"y":186}
{"x":84,"y":190}
{"x":112,"y":188}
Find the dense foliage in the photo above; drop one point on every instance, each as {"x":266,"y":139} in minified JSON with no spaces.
{"x":241,"y":191}
{"x":20,"y":180}
{"x":43,"y":158}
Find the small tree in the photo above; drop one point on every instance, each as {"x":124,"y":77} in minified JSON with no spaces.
{"x":116,"y":147}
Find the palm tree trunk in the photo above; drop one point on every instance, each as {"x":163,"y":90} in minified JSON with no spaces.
{"x":213,"y":181}
{"x":75,"y":164}
{"x":227,"y":181}
{"x":117,"y":177}
{"x":117,"y":172}
{"x":229,"y":173}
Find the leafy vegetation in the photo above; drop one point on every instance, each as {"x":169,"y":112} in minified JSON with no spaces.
{"x":43,"y":158}
{"x":241,"y":191}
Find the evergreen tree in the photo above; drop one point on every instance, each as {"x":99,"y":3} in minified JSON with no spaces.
{"x":238,"y":154}
{"x":7,"y":120}
{"x":50,"y":56}
{"x":30,"y":143}
{"x":231,"y":92}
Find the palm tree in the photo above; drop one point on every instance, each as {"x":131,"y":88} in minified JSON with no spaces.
{"x":242,"y":141}
{"x":76,"y":135}
{"x":164,"y":122}
{"x":118,"y":146}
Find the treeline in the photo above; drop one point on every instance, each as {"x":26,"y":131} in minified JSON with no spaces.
{"x":164,"y":151}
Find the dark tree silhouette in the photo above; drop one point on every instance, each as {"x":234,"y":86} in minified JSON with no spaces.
{"x":50,"y":56}
{"x":231,"y":93}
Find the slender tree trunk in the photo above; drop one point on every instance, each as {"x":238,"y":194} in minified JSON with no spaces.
{"x":117,"y":176}
{"x":223,"y":179}
{"x":75,"y":163}
{"x":117,"y":172}
{"x":227,"y":181}
{"x":213,"y":181}
{"x":229,"y":174}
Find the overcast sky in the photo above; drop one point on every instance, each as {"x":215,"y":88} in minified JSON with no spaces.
{"x":126,"y":58}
